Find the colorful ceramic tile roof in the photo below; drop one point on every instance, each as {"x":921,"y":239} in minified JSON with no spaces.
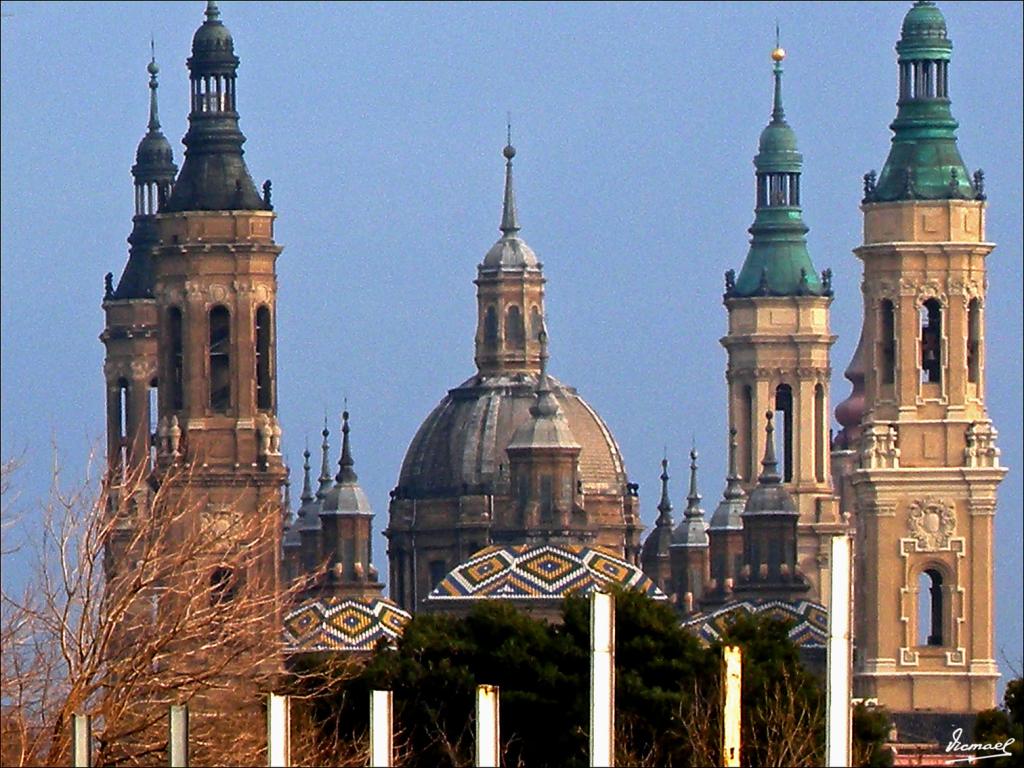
{"x":809,"y":620}
{"x":343,"y":624}
{"x":540,"y":572}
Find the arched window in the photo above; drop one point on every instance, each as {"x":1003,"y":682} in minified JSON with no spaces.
{"x":264,"y":388}
{"x":820,"y":437}
{"x":784,"y":429}
{"x":931,"y":341}
{"x":220,"y":359}
{"x":175,"y":395}
{"x":887,"y":355}
{"x":491,"y":327}
{"x":930,"y":608}
{"x":974,"y":341}
{"x":514,"y":331}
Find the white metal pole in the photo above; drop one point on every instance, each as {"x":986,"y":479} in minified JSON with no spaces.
{"x":381,"y":747}
{"x":732,"y":712}
{"x":602,"y":679}
{"x":81,"y":738}
{"x":488,"y":727}
{"x":837,"y":715}
{"x":177,"y":738}
{"x":278,"y":731}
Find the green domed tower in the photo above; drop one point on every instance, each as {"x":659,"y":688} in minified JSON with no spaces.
{"x":778,"y":263}
{"x":924,"y":162}
{"x":778,"y":342}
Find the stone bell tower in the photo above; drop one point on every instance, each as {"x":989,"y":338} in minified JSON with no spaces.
{"x":925,"y":489}
{"x":215,"y":291}
{"x":778,"y":345}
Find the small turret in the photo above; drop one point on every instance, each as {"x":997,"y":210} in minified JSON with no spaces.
{"x":770,"y":530}
{"x":655,"y":557}
{"x":692,"y":529}
{"x":510,"y":295}
{"x":307,"y":522}
{"x":346,"y":518}
{"x":689,"y":550}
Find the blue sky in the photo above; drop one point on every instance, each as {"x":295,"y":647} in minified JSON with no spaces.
{"x":381,"y":126}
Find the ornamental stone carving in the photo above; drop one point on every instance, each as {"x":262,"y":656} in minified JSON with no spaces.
{"x":931,"y":523}
{"x":218,"y":293}
{"x":932,"y":290}
{"x":981,"y":450}
{"x":143,"y":369}
{"x":194,"y":292}
{"x":880,"y":447}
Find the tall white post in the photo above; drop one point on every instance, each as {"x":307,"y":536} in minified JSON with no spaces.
{"x":381,"y":746}
{"x":81,"y":741}
{"x":602,"y":679}
{"x":488,"y":728}
{"x":177,"y":738}
{"x":732,"y":712}
{"x":837,"y":714}
{"x":278,"y":731}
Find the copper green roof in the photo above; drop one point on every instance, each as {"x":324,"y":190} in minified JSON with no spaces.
{"x":214,"y":176}
{"x":924,"y":162}
{"x":777,"y":263}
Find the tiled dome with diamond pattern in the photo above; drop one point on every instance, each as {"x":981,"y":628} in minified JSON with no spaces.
{"x":343,"y":624}
{"x":539,"y":572}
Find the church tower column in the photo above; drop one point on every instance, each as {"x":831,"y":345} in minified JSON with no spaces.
{"x":778,"y":343}
{"x":925,"y":490}
{"x":215,"y":290}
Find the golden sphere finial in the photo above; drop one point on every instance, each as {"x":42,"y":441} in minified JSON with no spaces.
{"x":778,"y":54}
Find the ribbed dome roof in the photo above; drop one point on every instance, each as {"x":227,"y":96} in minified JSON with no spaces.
{"x":924,"y":20}
{"x":510,"y":252}
{"x":462,"y":442}
{"x":212,"y":44}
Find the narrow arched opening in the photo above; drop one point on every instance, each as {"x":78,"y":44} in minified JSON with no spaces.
{"x":930,"y":608}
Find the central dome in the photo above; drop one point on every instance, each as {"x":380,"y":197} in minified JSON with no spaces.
{"x":460,"y":447}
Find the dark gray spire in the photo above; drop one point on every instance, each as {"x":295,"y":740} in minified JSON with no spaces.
{"x":325,"y":463}
{"x":546,"y":405}
{"x":307,"y":487}
{"x":212,"y":11}
{"x":509,"y":217}
{"x":733,"y":481}
{"x":153,"y":69}
{"x":345,"y":472}
{"x":770,"y":465}
{"x":693,"y":497}
{"x":665,"y":505}
{"x":727,"y":514}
